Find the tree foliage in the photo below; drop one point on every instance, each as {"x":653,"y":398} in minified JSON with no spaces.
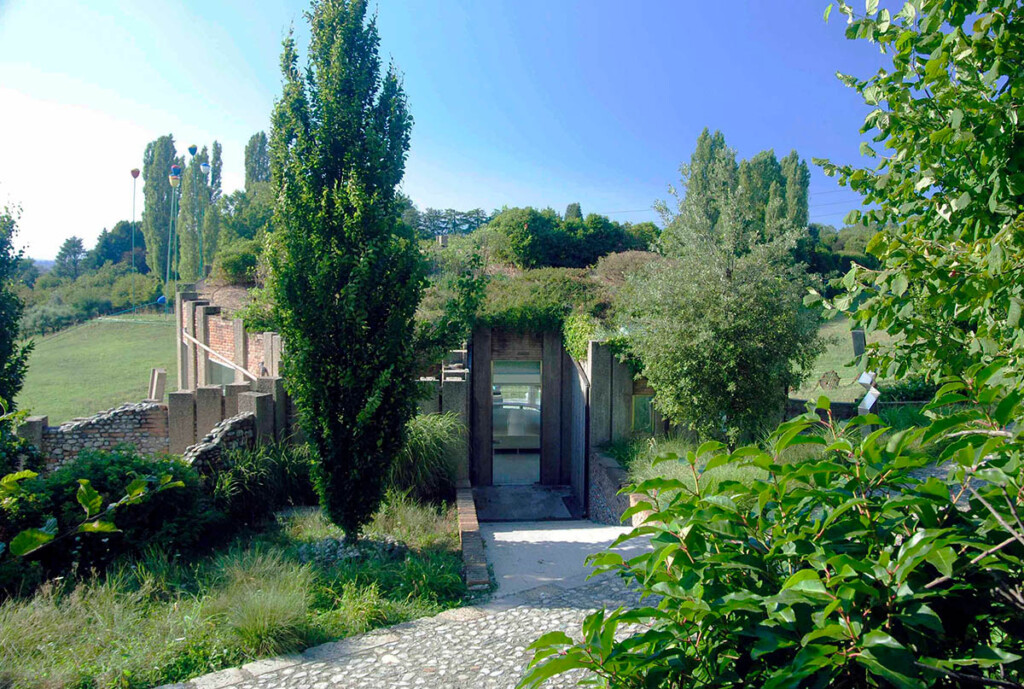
{"x":115,"y":246}
{"x":69,"y":263}
{"x":13,"y":352}
{"x":257,"y":160}
{"x":719,"y":330}
{"x":346,"y":273}
{"x":156,"y":215}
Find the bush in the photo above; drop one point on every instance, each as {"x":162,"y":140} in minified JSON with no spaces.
{"x":908,"y":389}
{"x":250,"y":484}
{"x":176,"y":520}
{"x":540,"y":299}
{"x":852,"y":568}
{"x":426,"y":465}
{"x":235,"y":263}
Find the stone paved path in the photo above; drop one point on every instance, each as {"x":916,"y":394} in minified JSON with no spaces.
{"x":476,"y":646}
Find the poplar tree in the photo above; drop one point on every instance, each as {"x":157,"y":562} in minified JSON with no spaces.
{"x":346,"y":272}
{"x":194,"y":204}
{"x":156,"y":213}
{"x":257,"y":160}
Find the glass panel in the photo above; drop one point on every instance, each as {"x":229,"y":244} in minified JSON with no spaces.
{"x":516,"y":389}
{"x":643,"y":416}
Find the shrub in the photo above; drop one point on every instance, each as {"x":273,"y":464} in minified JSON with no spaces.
{"x":907,"y":389}
{"x":540,"y":299}
{"x":176,"y":520}
{"x":235,"y":263}
{"x":848,"y":569}
{"x":426,"y":465}
{"x":249,"y":485}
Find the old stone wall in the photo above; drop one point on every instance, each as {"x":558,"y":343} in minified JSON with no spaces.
{"x":235,"y":433}
{"x":606,"y":478}
{"x":142,"y":425}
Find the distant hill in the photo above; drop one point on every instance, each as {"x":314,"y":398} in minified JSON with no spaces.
{"x":42,"y":264}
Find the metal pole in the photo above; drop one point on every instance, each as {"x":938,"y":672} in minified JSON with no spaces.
{"x":170,"y":240}
{"x":134,"y":179}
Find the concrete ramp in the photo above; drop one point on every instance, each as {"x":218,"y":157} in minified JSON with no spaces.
{"x":525,"y":503}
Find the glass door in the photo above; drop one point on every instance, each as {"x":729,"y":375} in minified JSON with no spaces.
{"x":515,"y":422}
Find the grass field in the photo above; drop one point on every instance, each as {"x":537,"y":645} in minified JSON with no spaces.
{"x":838,"y":354}
{"x":97,"y":365}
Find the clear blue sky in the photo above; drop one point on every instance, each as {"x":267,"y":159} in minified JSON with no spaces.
{"x":524,"y":102}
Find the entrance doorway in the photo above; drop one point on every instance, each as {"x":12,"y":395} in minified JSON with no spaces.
{"x":515,"y":422}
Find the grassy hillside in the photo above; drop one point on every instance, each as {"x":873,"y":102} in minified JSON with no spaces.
{"x":97,"y":365}
{"x":835,"y":358}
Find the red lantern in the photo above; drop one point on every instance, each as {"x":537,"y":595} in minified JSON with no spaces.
{"x":135,"y":173}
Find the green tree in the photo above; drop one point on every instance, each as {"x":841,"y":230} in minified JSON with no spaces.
{"x":573,"y":212}
{"x":70,"y":260}
{"x":194,"y":204}
{"x":216,"y":171}
{"x":797,"y":180}
{"x":338,"y":146}
{"x":27,"y":272}
{"x":13,"y":352}
{"x":115,"y":246}
{"x":156,"y":214}
{"x":257,"y":160}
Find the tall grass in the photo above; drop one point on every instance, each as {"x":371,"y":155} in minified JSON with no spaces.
{"x":426,"y":465}
{"x":156,"y":619}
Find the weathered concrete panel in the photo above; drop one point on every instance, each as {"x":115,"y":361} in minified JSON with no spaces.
{"x":241,"y":356}
{"x":431,"y":403}
{"x":262,"y":405}
{"x":551,"y":409}
{"x":191,"y":377}
{"x":181,"y":420}
{"x":600,"y":358}
{"x":622,"y":400}
{"x":481,"y":465}
{"x":32,"y":430}
{"x":231,"y":393}
{"x":274,"y":386}
{"x":455,"y":399}
{"x":203,"y":371}
{"x":209,"y":408}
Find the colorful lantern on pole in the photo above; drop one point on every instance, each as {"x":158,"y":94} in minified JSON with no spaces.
{"x":135,"y":173}
{"x":175,"y":176}
{"x":192,"y":149}
{"x":205,"y":167}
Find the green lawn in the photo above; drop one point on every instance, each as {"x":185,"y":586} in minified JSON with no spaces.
{"x":838,"y":354}
{"x":98,"y":365}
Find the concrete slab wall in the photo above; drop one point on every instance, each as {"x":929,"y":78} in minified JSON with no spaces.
{"x":600,"y":375}
{"x":551,"y":409}
{"x":481,"y":471}
{"x":621,"y":400}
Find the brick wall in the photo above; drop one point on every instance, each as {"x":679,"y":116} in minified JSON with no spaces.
{"x":142,"y":425}
{"x":222,"y":337}
{"x":256,"y":354}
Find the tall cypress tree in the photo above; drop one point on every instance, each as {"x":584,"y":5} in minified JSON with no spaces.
{"x":156,"y":213}
{"x":573,"y":212}
{"x":216,"y":171}
{"x":257,"y":160}
{"x":346,"y":272}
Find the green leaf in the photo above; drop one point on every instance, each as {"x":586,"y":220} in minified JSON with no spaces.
{"x":29,"y":541}
{"x":98,"y":526}
{"x":942,"y":559}
{"x":1013,"y":313}
{"x":899,"y":284}
{"x":806,"y":580}
{"x":828,"y":11}
{"x":88,"y":498}
{"x":871,"y":7}
{"x":136,"y":489}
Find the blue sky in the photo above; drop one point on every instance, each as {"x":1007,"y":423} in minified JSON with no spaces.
{"x":516,"y":103}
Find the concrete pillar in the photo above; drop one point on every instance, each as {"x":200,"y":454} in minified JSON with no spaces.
{"x":551,"y":409}
{"x":268,"y":354}
{"x":262,"y":405}
{"x":274,"y":386}
{"x":455,"y":399}
{"x":622,"y":400}
{"x":241,"y":357}
{"x":231,"y":393}
{"x":431,"y":403}
{"x":566,"y":427}
{"x":209,"y":408}
{"x":191,"y":377}
{"x":181,"y":420}
{"x":278,"y":350}
{"x":32,"y":431}
{"x":600,"y":358}
{"x":859,"y":342}
{"x":481,"y":450}
{"x":180,"y":348}
{"x":203,"y":372}
{"x":157,"y":384}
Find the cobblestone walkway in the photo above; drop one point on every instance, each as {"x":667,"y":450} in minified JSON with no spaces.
{"x":476,"y":646}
